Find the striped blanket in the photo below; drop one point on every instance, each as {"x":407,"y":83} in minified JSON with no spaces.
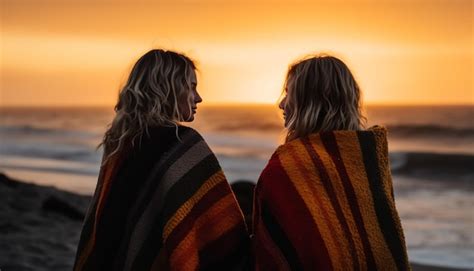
{"x":325,"y":202}
{"x":165,"y":205}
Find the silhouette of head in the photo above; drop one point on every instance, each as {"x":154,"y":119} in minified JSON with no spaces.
{"x":321,"y":94}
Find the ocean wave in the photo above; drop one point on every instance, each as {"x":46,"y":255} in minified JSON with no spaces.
{"x":33,"y":130}
{"x":430,"y":130}
{"x":38,"y":164}
{"x":88,"y":171}
{"x":433,"y":165}
{"x":52,"y":151}
{"x":425,"y":130}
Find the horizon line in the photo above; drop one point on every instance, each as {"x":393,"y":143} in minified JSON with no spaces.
{"x":228,"y":104}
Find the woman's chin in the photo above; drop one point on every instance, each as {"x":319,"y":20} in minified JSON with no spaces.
{"x":189,"y":119}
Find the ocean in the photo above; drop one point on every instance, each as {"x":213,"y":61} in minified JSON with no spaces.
{"x":431,"y":151}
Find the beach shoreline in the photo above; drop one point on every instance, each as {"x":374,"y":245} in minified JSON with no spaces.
{"x":41,"y":226}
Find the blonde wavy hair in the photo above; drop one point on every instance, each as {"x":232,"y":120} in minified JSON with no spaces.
{"x":322,"y":95}
{"x":158,"y":80}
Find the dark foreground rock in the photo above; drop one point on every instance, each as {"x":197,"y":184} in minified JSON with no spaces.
{"x":59,"y":206}
{"x":243,"y":191}
{"x":39,"y":226}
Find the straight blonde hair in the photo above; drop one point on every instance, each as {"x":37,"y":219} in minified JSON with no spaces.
{"x":322,"y":95}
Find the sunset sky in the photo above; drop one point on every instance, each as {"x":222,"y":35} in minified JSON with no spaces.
{"x":79,"y":52}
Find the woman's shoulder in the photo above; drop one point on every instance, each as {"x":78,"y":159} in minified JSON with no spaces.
{"x":287,"y":148}
{"x":274,"y":163}
{"x":272,"y":171}
{"x":163,"y":139}
{"x":172,"y":133}
{"x":190,"y":131}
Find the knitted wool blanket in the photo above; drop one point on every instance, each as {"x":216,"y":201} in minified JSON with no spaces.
{"x":325,"y":202}
{"x":165,"y":205}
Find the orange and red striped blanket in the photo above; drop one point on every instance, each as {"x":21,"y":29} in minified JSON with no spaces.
{"x":165,"y":205}
{"x":325,"y":202}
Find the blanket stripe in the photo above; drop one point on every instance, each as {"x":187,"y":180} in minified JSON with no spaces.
{"x":330,"y":144}
{"x":304,"y":234}
{"x":383,"y":199}
{"x":100,"y":194}
{"x":278,"y":235}
{"x":215,"y":258}
{"x":163,"y":206}
{"x":342,"y":196}
{"x":138,"y":226}
{"x":322,"y":216}
{"x":201,"y":200}
{"x":328,"y":185}
{"x":352,"y":159}
{"x":326,"y":202}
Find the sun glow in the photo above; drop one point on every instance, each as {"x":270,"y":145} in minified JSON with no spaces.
{"x":400,"y":52}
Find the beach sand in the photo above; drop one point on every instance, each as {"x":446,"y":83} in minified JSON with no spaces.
{"x":40,"y":226}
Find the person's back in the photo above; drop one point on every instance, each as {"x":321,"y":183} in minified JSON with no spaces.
{"x":325,"y":199}
{"x":162,"y":201}
{"x":119,"y":209}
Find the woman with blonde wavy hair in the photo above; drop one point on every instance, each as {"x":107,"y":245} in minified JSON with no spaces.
{"x":325,"y":199}
{"x":162,"y":201}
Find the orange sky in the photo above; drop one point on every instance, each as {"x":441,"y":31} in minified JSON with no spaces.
{"x":72,"y":52}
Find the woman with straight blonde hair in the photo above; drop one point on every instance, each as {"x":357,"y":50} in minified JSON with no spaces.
{"x":162,"y":201}
{"x":325,"y":199}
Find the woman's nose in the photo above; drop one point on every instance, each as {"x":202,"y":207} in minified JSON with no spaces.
{"x":197,"y":98}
